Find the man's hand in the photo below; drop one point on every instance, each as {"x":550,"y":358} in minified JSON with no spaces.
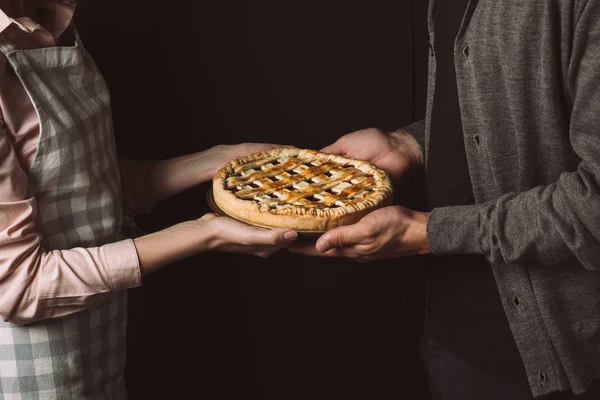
{"x":231,"y":236}
{"x":395,"y":152}
{"x":389,"y":232}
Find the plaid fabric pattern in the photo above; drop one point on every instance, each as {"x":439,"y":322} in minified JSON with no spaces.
{"x":75,"y":180}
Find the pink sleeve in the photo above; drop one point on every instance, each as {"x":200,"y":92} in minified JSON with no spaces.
{"x":35,"y":284}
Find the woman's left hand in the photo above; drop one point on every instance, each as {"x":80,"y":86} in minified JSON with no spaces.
{"x":222,"y":154}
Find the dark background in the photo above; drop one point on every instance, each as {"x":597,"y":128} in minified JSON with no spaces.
{"x":185,"y":76}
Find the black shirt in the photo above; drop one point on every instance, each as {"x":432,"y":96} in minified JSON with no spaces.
{"x":465,"y":312}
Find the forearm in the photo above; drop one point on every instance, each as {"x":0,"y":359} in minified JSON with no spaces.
{"x":172,"y":176}
{"x":172,"y":244}
{"x":545,"y":225}
{"x":146,"y":183}
{"x":37,"y":285}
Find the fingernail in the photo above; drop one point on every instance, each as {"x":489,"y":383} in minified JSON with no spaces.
{"x":323,"y":246}
{"x":290,"y":235}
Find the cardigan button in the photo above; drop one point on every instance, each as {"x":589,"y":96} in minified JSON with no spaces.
{"x":517,"y":302}
{"x":542,"y":377}
{"x":466,"y":51}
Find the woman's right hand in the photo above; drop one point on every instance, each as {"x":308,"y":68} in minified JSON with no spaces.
{"x":231,"y":236}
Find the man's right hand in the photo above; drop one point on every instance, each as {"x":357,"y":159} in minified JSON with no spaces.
{"x":395,"y":152}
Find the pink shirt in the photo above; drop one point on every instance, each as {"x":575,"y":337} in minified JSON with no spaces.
{"x":36,"y":284}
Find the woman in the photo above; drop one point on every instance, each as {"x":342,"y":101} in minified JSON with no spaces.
{"x":64,"y":262}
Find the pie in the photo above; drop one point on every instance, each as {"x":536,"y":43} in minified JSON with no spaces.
{"x":300,"y":189}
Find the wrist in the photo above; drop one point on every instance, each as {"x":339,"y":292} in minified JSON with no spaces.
{"x":408,"y":146}
{"x":209,"y":162}
{"x":169,"y":245}
{"x":419,"y":233}
{"x":211,"y":239}
{"x":205,"y":236}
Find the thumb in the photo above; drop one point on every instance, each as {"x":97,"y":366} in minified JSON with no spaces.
{"x":339,"y":237}
{"x":334,"y":148}
{"x":273,"y":237}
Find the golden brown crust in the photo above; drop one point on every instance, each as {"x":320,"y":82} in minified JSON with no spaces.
{"x":301,"y":189}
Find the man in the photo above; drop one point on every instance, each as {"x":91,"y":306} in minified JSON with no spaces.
{"x":510,"y":146}
{"x":65,"y":263}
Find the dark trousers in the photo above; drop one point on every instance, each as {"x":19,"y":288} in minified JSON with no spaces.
{"x":452,"y":378}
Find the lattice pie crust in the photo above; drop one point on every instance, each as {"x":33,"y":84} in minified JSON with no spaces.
{"x":301,"y":189}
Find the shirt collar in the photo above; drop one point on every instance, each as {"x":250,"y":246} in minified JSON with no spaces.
{"x":5,"y":20}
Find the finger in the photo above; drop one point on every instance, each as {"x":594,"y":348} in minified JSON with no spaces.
{"x":272,"y":237}
{"x":334,"y":148}
{"x":265,"y":252}
{"x":309,"y":249}
{"x":343,"y":236}
{"x":365,"y":249}
{"x":346,"y":252}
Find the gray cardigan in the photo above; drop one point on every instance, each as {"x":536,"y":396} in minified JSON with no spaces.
{"x":528,"y":75}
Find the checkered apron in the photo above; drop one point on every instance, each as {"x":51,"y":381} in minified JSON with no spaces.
{"x":75,"y":181}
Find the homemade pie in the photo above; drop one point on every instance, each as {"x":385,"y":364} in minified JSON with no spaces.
{"x":300,"y":189}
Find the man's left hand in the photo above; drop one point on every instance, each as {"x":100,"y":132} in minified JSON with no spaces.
{"x":389,"y":232}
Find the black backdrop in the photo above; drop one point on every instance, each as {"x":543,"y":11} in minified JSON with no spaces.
{"x":185,"y":76}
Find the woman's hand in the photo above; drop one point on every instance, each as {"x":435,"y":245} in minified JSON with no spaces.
{"x":220,"y":155}
{"x":231,"y":236}
{"x":147,"y":183}
{"x":210,"y":232}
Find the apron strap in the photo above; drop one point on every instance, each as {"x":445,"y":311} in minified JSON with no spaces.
{"x":6,"y":45}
